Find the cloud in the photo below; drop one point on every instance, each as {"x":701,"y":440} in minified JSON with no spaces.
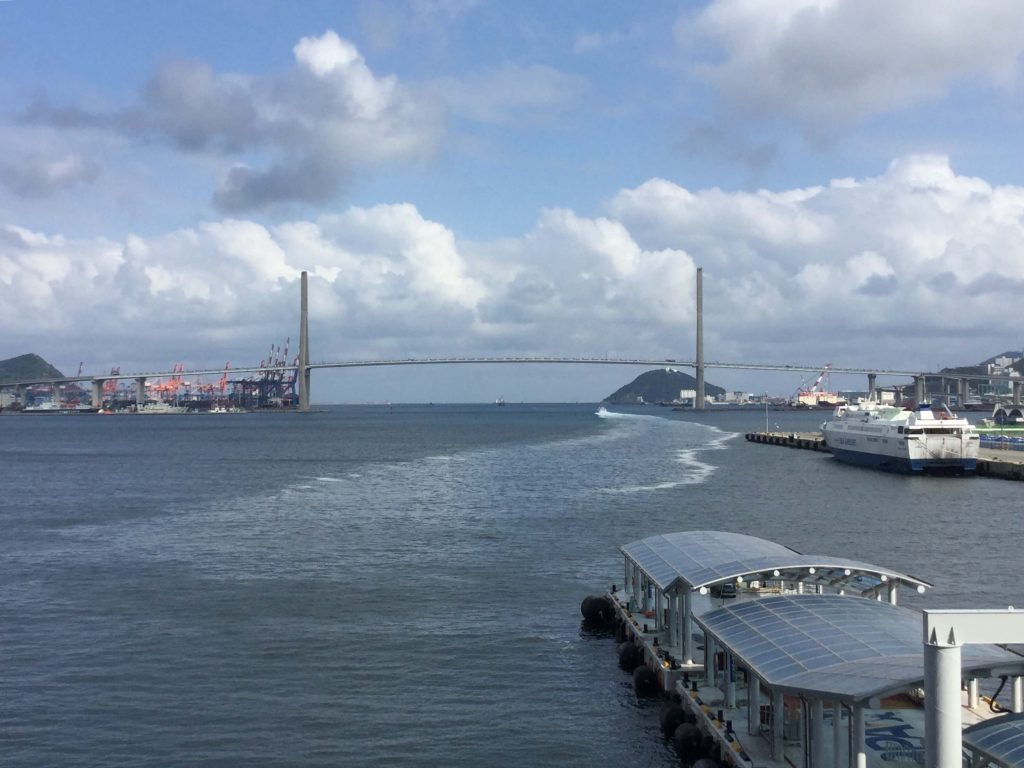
{"x":298,"y":136}
{"x":826,"y":63}
{"x":883,"y":271}
{"x":512,"y":93}
{"x":41,"y":177}
{"x":586,"y":42}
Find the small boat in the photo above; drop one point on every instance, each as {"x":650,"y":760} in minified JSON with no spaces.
{"x":500,"y":401}
{"x":929,"y":438}
{"x":161,"y":407}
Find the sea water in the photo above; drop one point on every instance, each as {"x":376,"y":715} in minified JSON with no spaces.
{"x":400,"y":586}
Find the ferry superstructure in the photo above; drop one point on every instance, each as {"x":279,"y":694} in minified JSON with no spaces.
{"x":929,"y":438}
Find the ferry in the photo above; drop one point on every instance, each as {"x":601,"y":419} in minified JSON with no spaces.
{"x":929,"y":438}
{"x":49,"y":406}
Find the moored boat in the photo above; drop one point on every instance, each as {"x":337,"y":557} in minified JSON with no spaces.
{"x":929,"y":438}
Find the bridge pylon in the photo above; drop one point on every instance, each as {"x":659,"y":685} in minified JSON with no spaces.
{"x":303,"y":363}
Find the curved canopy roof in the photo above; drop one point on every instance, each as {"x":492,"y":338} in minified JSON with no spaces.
{"x":695,"y":559}
{"x":835,"y":646}
{"x":1000,"y":740}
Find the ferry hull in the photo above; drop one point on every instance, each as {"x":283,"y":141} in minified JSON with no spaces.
{"x":906,"y":465}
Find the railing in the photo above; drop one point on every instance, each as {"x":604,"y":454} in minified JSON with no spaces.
{"x":1002,"y":442}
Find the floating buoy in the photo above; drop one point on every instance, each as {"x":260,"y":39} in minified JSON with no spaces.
{"x":672,"y":718}
{"x":687,"y":741}
{"x":597,"y":610}
{"x":630,"y":656}
{"x":645,"y":682}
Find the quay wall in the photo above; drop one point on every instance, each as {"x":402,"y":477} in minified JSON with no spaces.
{"x":1000,"y":464}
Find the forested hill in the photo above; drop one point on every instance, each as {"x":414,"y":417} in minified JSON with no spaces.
{"x":660,"y":386}
{"x":25,"y":367}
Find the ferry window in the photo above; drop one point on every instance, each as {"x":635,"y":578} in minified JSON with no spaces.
{"x":900,"y":430}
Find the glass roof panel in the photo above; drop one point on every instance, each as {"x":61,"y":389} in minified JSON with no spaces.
{"x":1001,"y":738}
{"x":832,"y":644}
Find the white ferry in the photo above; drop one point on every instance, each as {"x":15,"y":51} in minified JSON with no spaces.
{"x":929,"y":438}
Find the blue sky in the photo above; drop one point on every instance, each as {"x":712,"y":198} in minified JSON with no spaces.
{"x":463,"y":177}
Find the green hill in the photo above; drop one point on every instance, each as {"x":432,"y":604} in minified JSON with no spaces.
{"x":660,"y":386}
{"x":25,"y":367}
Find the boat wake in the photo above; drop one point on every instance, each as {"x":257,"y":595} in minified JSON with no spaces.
{"x":662,"y":456}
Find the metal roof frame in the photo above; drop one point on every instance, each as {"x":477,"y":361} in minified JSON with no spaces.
{"x":701,"y":559}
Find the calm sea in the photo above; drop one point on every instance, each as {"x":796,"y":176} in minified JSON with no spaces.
{"x":374,"y":586}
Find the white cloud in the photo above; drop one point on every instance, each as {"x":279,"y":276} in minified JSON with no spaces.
{"x":828,"y":62}
{"x":311,"y":128}
{"x":41,"y":177}
{"x":512,"y":93}
{"x":879,"y":271}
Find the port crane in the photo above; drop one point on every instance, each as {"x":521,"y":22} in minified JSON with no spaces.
{"x":813,"y":396}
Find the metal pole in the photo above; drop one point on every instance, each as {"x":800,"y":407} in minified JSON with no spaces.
{"x":698,"y":402}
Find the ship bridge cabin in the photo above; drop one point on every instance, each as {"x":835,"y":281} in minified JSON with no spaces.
{"x":810,"y":653}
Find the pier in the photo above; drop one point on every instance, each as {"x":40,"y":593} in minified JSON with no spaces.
{"x":770,"y":658}
{"x":1002,"y":464}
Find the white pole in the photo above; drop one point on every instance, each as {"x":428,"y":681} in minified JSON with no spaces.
{"x":817,"y":733}
{"x":778,"y":726}
{"x":857,"y":734}
{"x":838,"y":758}
{"x":942,"y":723}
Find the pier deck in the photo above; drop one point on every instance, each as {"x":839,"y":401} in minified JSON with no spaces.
{"x":894,"y":730}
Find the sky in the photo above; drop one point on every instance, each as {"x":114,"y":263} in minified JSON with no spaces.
{"x":484,"y":178}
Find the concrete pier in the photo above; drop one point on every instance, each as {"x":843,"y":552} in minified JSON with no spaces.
{"x":809,"y":441}
{"x":1003,"y":465}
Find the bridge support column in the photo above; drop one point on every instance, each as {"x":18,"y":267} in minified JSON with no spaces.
{"x":140,"y":392}
{"x":97,"y":393}
{"x":1016,"y":392}
{"x":965,"y":391}
{"x":871,"y":385}
{"x":303,"y":372}
{"x":698,"y":401}
{"x":57,"y":401}
{"x":919,"y":389}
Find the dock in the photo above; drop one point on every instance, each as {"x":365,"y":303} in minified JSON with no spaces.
{"x":769,"y":658}
{"x":999,"y":463}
